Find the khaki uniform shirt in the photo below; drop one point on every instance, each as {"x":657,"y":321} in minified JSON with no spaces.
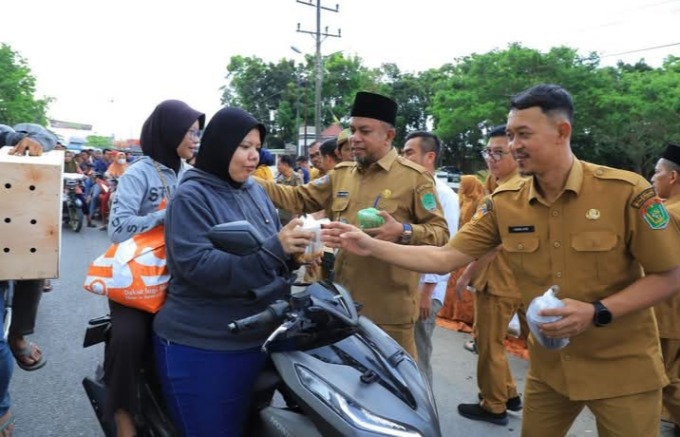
{"x":668,"y":312}
{"x":592,"y":242}
{"x":389,"y":294}
{"x":496,"y":278}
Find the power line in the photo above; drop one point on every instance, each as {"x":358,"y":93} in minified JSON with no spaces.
{"x":640,"y":50}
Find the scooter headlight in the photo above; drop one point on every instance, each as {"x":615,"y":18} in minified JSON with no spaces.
{"x":350,"y":410}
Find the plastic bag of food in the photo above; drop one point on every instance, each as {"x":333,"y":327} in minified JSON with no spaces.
{"x":547,"y":300}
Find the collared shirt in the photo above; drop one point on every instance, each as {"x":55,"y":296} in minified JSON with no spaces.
{"x":406,"y":191}
{"x":592,"y":242}
{"x":448,"y":199}
{"x":497,"y":278}
{"x":668,"y":312}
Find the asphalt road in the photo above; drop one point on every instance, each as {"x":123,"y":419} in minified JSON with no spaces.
{"x":51,"y":401}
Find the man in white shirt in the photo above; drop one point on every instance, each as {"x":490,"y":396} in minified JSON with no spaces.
{"x":424,"y":148}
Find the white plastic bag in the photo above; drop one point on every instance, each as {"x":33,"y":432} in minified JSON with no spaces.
{"x":546,"y":301}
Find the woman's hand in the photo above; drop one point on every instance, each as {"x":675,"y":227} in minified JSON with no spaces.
{"x":293,"y":238}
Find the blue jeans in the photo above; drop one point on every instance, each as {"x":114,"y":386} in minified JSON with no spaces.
{"x":6,"y":359}
{"x":208,"y":393}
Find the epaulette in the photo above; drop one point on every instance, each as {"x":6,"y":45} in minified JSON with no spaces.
{"x":604,"y":172}
{"x":344,"y":164}
{"x":512,"y":185}
{"x":408,"y":163}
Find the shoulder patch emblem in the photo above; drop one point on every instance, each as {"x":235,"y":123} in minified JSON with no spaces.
{"x":643,"y":197}
{"x":655,"y":214}
{"x":482,"y":210}
{"x":428,"y":201}
{"x":323,"y":180}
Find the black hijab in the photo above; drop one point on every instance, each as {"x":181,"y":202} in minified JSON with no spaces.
{"x":221,"y":137}
{"x":165,"y":129}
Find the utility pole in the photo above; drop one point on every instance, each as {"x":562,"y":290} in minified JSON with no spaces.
{"x":318,"y":75}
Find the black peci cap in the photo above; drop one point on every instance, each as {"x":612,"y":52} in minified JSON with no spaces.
{"x":672,"y":153}
{"x":376,"y":106}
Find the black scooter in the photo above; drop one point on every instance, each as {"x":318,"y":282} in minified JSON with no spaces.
{"x":337,"y":373}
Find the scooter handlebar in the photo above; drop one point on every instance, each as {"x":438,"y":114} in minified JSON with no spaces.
{"x":272,"y":314}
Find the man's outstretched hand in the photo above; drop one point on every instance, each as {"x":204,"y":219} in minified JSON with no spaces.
{"x":345,"y":236}
{"x":34,"y":148}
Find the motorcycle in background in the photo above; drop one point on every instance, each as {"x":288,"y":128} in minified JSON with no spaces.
{"x":72,"y":206}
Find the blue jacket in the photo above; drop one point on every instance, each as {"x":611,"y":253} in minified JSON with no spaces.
{"x":209,"y":288}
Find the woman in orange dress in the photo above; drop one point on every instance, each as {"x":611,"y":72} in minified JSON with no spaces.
{"x":459,"y":312}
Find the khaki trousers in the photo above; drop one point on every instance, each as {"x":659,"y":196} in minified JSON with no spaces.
{"x":670,"y":349}
{"x":404,"y":335}
{"x":492,"y":316}
{"x":548,"y":413}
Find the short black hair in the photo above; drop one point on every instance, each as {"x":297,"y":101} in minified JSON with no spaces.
{"x":287,"y":159}
{"x":550,"y":98}
{"x":301,"y":159}
{"x":328,"y":147}
{"x":429,"y":142}
{"x":497,"y":131}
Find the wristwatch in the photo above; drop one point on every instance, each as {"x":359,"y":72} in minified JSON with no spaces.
{"x":602,"y":316}
{"x":406,"y":234}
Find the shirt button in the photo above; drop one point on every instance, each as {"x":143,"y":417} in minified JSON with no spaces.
{"x":520,"y":246}
{"x":555,"y":213}
{"x":558,"y":274}
{"x":556,"y":244}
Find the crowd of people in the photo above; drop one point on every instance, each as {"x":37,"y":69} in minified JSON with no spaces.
{"x":542,"y":218}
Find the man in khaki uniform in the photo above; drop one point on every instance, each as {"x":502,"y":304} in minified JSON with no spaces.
{"x":590,"y":230}
{"x":497,"y":299}
{"x":405,"y":194}
{"x":666,"y":182}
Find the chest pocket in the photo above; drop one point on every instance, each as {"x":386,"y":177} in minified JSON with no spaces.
{"x":523,"y":256}
{"x":339,"y":208}
{"x":389,"y":205}
{"x":595,"y":256}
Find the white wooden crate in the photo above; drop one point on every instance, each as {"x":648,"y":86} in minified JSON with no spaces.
{"x":30,"y":215}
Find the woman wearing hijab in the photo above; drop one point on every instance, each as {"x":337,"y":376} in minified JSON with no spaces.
{"x":118,"y":166}
{"x":207,"y":373}
{"x":459,"y":310}
{"x":169,"y":135}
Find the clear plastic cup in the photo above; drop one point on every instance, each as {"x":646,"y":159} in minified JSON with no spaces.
{"x":315,"y":248}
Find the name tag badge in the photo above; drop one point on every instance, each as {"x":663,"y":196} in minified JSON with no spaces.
{"x":520,"y":229}
{"x":341,"y":194}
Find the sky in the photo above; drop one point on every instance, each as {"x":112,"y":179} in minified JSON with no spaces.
{"x":109,"y":63}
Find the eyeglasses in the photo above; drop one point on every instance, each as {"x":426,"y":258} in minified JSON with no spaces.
{"x":195,"y":134}
{"x":495,"y":155}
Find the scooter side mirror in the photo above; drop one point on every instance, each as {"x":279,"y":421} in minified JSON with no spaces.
{"x":238,"y":238}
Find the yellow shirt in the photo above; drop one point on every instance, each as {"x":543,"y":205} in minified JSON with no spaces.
{"x":407,"y":192}
{"x":315,"y":173}
{"x":592,"y":242}
{"x":668,"y":312}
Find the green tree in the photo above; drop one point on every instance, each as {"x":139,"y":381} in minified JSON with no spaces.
{"x":286,"y":91}
{"x":17,"y":89}
{"x":474,"y":94}
{"x":642,"y":113}
{"x":99,"y":142}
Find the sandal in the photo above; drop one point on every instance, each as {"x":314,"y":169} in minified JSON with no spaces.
{"x":471,"y":345}
{"x":47,"y":286}
{"x":7,"y":427}
{"x":26,"y":353}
